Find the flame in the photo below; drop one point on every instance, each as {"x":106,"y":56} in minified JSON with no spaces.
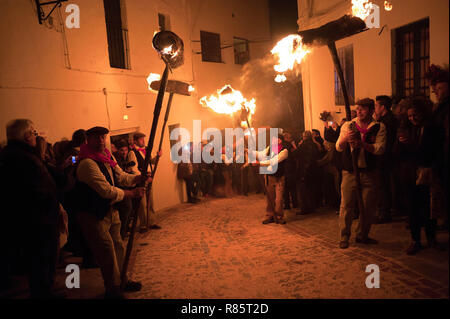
{"x":152,"y":77}
{"x":228,"y":101}
{"x":290,"y":51}
{"x":387,"y":6}
{"x":169,"y":51}
{"x":191,"y":88}
{"x":280,"y":78}
{"x":361,"y":8}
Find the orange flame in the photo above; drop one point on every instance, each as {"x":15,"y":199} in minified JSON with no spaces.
{"x":290,"y":52}
{"x":228,"y":101}
{"x":361,"y":8}
{"x":280,"y":78}
{"x":387,"y":6}
{"x":152,"y":77}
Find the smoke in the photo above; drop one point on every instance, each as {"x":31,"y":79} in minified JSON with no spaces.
{"x":273,"y":106}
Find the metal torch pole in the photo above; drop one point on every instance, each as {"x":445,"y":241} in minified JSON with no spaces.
{"x":337,"y":65}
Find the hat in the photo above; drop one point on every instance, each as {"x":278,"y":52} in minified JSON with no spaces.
{"x":138,"y":135}
{"x":97,"y":130}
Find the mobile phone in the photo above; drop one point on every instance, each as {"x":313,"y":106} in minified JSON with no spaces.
{"x":330,"y":123}
{"x":74,"y":159}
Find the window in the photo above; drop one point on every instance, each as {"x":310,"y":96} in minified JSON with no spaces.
{"x":241,"y":53}
{"x":117,"y":34}
{"x":346,"y":58}
{"x":411,"y":59}
{"x":210,"y":47}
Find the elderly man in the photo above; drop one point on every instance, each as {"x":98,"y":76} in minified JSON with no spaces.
{"x":365,"y":138}
{"x":98,"y":177}
{"x":30,"y":221}
{"x":145,"y":219}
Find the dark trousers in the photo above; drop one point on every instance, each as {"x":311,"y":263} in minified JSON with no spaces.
{"x":385,"y":192}
{"x":420,"y":213}
{"x":290,"y":191}
{"x":306,"y":192}
{"x":125,"y":208}
{"x":41,"y":254}
{"x":206,"y":181}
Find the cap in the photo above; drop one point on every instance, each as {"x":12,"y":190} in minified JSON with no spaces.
{"x":138,"y":135}
{"x":97,"y":130}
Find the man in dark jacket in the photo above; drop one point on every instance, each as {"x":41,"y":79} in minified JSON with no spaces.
{"x":384,"y":115}
{"x":30,"y":224}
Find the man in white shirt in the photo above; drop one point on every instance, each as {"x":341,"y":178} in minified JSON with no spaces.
{"x":274,"y":160}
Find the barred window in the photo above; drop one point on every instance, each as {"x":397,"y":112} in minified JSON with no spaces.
{"x":411,"y":59}
{"x":210,"y":43}
{"x":241,"y":51}
{"x":345,"y":55}
{"x":117,"y":35}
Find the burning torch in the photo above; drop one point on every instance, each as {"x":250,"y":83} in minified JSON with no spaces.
{"x":170,"y":48}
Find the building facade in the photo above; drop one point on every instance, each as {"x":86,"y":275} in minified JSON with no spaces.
{"x":390,"y":59}
{"x":66,"y":78}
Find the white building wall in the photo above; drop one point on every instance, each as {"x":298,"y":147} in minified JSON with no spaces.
{"x":372,"y":52}
{"x":36,"y":83}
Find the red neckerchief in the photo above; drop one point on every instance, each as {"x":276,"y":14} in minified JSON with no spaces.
{"x":86,"y":152}
{"x":363,"y":131}
{"x":276,"y":148}
{"x":141,"y":149}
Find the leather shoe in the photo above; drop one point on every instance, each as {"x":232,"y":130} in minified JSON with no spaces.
{"x":154,"y":226}
{"x":343,"y":244}
{"x":132,"y":286}
{"x":280,"y":221}
{"x":268,"y":220}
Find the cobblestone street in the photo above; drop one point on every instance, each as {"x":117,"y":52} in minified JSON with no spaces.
{"x":220,"y":249}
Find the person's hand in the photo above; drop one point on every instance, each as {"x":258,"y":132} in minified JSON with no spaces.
{"x":135,"y":192}
{"x":256,"y":163}
{"x":140,"y":179}
{"x":159,"y":154}
{"x":326,"y":124}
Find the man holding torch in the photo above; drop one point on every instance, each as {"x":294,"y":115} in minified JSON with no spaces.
{"x":273,"y":158}
{"x":365,"y":138}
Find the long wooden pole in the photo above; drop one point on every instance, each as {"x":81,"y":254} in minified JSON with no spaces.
{"x":337,"y":65}
{"x":136,"y":202}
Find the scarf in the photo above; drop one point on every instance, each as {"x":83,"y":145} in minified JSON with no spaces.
{"x":276,"y":148}
{"x":86,"y":152}
{"x":140,"y":149}
{"x":363,"y":131}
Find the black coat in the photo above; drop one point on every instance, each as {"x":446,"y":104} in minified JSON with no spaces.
{"x":28,"y":192}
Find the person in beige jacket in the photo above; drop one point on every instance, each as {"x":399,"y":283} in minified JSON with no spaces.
{"x":98,"y":181}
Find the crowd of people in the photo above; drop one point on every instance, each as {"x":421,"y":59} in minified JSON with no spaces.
{"x":390,"y":158}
